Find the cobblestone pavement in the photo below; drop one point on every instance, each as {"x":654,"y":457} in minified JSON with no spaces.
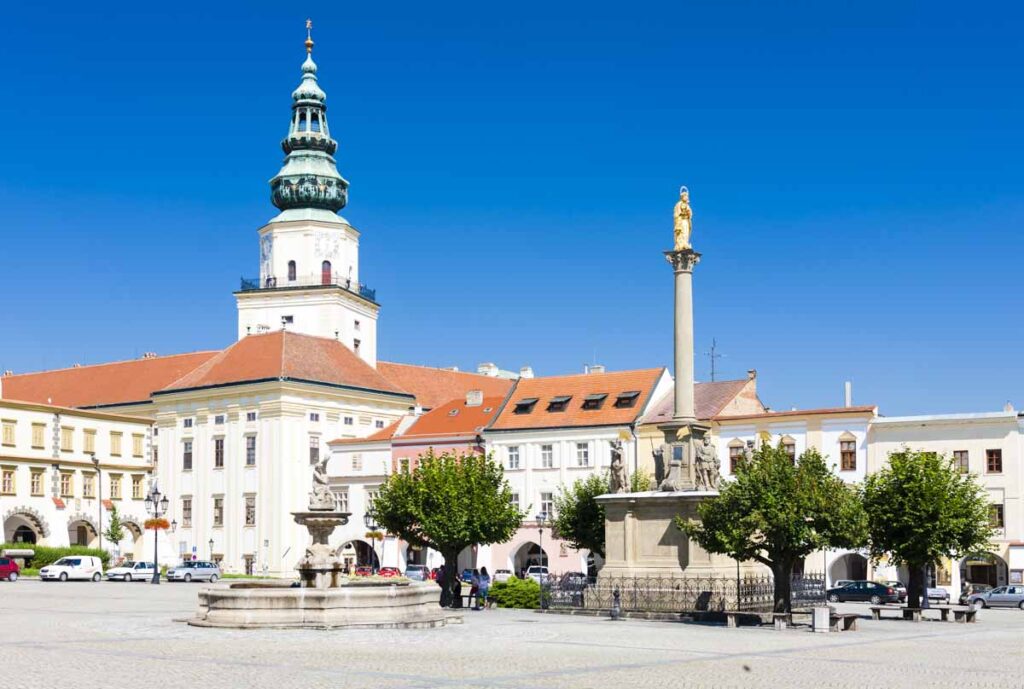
{"x":89,"y":635}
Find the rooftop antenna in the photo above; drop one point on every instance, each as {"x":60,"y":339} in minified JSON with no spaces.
{"x":713,"y":354}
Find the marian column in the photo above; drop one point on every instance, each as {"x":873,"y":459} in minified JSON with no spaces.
{"x":684,"y":435}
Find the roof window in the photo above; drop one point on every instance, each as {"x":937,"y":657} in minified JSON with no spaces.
{"x":595,"y":401}
{"x":627,"y":399}
{"x":559,"y":403}
{"x":453,"y":412}
{"x":525,"y":406}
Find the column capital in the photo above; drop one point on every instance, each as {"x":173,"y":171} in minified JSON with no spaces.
{"x":683,"y":260}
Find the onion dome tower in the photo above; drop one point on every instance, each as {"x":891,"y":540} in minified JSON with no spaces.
{"x":309,"y":255}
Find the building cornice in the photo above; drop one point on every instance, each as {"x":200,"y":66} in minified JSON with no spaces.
{"x":86,"y":412}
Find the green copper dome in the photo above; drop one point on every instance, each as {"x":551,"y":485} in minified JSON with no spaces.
{"x":309,"y":177}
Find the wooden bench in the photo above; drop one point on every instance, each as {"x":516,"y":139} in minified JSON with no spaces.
{"x":781,"y":620}
{"x":962,"y":614}
{"x":842,"y":622}
{"x":907,"y":613}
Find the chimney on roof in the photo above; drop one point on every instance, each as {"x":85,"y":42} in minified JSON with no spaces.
{"x":8,"y":372}
{"x":751,"y":374}
{"x":76,"y":365}
{"x":487,"y":369}
{"x":849,"y":393}
{"x":149,"y":355}
{"x":450,"y":368}
{"x":474,"y":398}
{"x":526,"y":372}
{"x":595,"y":368}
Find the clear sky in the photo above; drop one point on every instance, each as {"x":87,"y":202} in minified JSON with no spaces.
{"x":855,"y":171}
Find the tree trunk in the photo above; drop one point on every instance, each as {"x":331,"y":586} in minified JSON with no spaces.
{"x":915,"y":587}
{"x":451,"y":586}
{"x":782,"y":574}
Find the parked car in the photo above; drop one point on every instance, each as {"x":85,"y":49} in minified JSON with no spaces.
{"x":388,"y":572}
{"x":502,"y":575}
{"x":197,"y":570}
{"x":128,"y":571}
{"x":538,"y":573}
{"x":863,"y":591}
{"x":939,"y":594}
{"x":467,"y":576}
{"x":999,"y":597}
{"x":417,"y":572}
{"x":569,"y":588}
{"x":971,"y":589}
{"x":840,"y":583}
{"x":901,"y":590}
{"x":9,"y":569}
{"x":84,"y":567}
{"x":363,"y":571}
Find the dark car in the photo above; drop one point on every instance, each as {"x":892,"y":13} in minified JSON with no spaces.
{"x":867,"y":591}
{"x":569,"y":589}
{"x":467,"y":575}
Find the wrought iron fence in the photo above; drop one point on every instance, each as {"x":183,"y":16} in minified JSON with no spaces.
{"x":753,"y":593}
{"x":317,"y":280}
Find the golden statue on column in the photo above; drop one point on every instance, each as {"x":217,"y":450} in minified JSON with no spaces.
{"x":683,"y":220}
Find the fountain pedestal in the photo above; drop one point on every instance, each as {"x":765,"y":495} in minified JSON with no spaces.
{"x":320,"y":567}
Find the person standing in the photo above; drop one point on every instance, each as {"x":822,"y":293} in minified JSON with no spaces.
{"x":483,"y":585}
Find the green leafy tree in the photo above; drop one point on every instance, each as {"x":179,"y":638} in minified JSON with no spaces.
{"x":449,"y":502}
{"x":579,"y":518}
{"x":640,"y":482}
{"x":777,"y":512}
{"x":920,"y":509}
{"x":115,"y":529}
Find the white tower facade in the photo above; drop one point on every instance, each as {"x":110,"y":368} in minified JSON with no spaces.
{"x":309,"y":255}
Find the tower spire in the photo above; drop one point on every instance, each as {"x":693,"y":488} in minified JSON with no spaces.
{"x":309,"y":36}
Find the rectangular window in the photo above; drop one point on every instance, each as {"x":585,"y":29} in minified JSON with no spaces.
{"x":187,"y":423}
{"x":314,"y":416}
{"x":250,"y":510}
{"x":218,"y":511}
{"x":136,"y":445}
{"x":67,"y":439}
{"x":357,"y":462}
{"x":88,"y":485}
{"x":218,"y":453}
{"x":546,"y":505}
{"x":250,"y":450}
{"x":371,"y":497}
{"x":735,"y":455}
{"x":547,"y":456}
{"x":513,"y":457}
{"x":218,"y":420}
{"x":7,"y":481}
{"x":961,"y":460}
{"x":186,"y":512}
{"x":67,"y":484}
{"x":156,"y":454}
{"x":38,"y":436}
{"x":341,"y":500}
{"x":379,"y":423}
{"x":186,"y":455}
{"x":8,"y":437}
{"x":403,"y":465}
{"x":250,"y":416}
{"x":995,"y":516}
{"x":115,"y":444}
{"x":626,"y":400}
{"x":314,"y":449}
{"x":137,"y":487}
{"x":115,"y":486}
{"x":37,"y":482}
{"x":349,"y":421}
{"x":790,"y":449}
{"x":994,"y":461}
{"x":525,"y":406}
{"x":582,"y":454}
{"x":848,"y":455}
{"x":90,"y":440}
{"x":595,"y":401}
{"x":514,"y":500}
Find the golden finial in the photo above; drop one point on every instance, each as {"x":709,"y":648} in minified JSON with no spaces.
{"x":309,"y":36}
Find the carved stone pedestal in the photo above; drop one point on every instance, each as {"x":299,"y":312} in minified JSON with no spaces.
{"x":320,"y":567}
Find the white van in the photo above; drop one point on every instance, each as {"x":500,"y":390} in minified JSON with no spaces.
{"x":73,"y":567}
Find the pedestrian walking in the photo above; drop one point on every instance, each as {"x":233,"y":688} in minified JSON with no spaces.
{"x":483,"y":586}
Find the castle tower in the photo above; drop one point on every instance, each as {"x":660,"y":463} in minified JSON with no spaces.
{"x":309,"y":255}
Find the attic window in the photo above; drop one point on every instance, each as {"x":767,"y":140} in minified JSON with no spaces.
{"x":525,"y":406}
{"x":595,"y":401}
{"x":627,"y":399}
{"x":453,"y":412}
{"x":559,"y":403}
{"x":488,"y":409}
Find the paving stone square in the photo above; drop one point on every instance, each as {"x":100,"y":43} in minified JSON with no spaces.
{"x":107,"y":634}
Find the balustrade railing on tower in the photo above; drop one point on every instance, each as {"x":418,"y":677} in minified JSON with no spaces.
{"x":279,"y":282}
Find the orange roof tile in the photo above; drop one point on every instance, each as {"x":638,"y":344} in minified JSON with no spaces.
{"x":120,"y":382}
{"x":578,"y":387}
{"x":709,"y":399}
{"x":465,"y":420}
{"x":285,"y":355}
{"x":435,"y":386}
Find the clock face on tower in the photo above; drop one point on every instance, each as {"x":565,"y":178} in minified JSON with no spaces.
{"x":266,"y":254}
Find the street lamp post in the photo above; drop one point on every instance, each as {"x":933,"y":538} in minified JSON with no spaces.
{"x":211,"y":550}
{"x":372,"y":526}
{"x":99,"y":498}
{"x":541,"y":521}
{"x":156,"y":505}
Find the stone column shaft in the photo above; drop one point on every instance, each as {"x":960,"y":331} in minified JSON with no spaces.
{"x":683,"y":263}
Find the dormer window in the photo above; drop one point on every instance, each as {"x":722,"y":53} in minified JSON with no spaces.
{"x":559,"y":403}
{"x":525,"y":406}
{"x":453,"y":412}
{"x":625,"y":400}
{"x":595,"y":401}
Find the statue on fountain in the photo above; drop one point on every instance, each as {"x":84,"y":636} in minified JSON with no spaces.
{"x":321,"y":498}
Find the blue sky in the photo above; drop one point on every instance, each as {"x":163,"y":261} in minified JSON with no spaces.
{"x":855,"y":173}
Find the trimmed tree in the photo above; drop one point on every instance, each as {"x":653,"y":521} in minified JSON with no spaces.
{"x":579,"y":518}
{"x":115,"y":530}
{"x":448,"y":502}
{"x":778,"y":512}
{"x":920,"y":509}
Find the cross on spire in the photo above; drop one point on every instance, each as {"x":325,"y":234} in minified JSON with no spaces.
{"x":309,"y":35}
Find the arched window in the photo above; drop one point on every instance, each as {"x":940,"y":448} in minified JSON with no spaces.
{"x":325,"y":273}
{"x":291,"y":271}
{"x":315,"y":123}
{"x":302,"y":122}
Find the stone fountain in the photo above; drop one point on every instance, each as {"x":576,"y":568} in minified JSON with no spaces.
{"x":325,"y":597}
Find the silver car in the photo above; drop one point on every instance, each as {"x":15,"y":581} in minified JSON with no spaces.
{"x":199,"y":570}
{"x":999,"y":597}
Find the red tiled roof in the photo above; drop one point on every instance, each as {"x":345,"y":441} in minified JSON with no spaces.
{"x":578,"y":387}
{"x":284,"y":354}
{"x":466,"y":420}
{"x":120,"y":382}
{"x":709,"y":399}
{"x":435,"y":386}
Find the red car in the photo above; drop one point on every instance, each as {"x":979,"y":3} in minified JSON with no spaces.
{"x":389,"y":572}
{"x":9,"y":569}
{"x":363,"y":571}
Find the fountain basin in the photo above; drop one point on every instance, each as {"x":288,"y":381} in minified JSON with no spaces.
{"x":360,"y":606}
